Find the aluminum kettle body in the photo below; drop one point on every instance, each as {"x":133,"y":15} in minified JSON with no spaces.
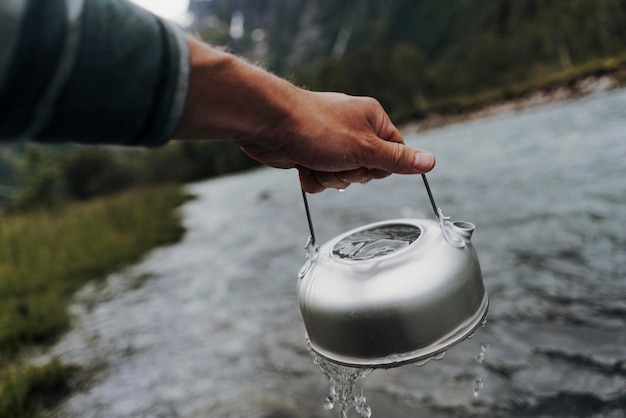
{"x":412,"y":299}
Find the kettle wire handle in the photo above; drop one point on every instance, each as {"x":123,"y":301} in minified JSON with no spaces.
{"x":308,"y":216}
{"x":430,"y":196}
{"x":308,"y":211}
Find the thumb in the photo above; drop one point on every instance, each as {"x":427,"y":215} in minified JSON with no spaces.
{"x":396,"y":157}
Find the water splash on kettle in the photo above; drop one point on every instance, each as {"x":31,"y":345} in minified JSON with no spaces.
{"x":346,"y":384}
{"x":346,"y":388}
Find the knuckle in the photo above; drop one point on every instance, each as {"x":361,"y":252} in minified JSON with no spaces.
{"x":398,"y":157}
{"x":371,"y":103}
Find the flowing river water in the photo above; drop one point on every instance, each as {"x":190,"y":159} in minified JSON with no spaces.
{"x":210,"y":326}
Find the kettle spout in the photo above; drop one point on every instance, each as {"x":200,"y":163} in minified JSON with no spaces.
{"x":457,"y":233}
{"x":462,"y":230}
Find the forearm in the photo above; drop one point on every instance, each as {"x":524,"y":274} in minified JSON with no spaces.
{"x":231,"y":99}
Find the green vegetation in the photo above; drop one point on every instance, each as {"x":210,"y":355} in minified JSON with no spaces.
{"x":47,"y":255}
{"x":426,"y":56}
{"x":71,"y":214}
{"x":48,"y":176}
{"x":26,"y":391}
{"x":546,"y":83}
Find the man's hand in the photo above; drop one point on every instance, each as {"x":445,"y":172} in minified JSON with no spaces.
{"x":332,"y":139}
{"x":335,"y":140}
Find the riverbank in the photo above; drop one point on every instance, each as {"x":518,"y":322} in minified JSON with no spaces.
{"x":45,"y":256}
{"x":593,"y":78}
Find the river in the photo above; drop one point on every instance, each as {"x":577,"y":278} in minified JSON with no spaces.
{"x":210,"y":326}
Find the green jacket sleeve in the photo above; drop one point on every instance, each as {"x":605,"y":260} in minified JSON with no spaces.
{"x":90,"y":71}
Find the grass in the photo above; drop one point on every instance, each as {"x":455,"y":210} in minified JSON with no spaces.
{"x":45,"y":256}
{"x":26,"y":391}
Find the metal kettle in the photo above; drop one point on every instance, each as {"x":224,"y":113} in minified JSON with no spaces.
{"x":392,"y":292}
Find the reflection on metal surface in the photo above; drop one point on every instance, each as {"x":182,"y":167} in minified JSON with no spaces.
{"x":374,"y":242}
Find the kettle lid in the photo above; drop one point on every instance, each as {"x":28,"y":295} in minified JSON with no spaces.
{"x":376,"y":241}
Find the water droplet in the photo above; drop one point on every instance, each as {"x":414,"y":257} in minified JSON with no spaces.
{"x":359,"y":400}
{"x":366,"y":411}
{"x":329,"y":403}
{"x":478,"y":385}
{"x":341,"y":190}
{"x":480,"y":357}
{"x":438,"y":356}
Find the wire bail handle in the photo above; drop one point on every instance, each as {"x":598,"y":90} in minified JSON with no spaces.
{"x":312,"y":239}
{"x":312,"y":249}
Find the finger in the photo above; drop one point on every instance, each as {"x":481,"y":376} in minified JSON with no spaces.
{"x":330,"y":180}
{"x":361,"y":175}
{"x":308,"y":181}
{"x":376,"y":174}
{"x":382,"y":124}
{"x":389,"y":132}
{"x":391,"y":155}
{"x":398,"y":158}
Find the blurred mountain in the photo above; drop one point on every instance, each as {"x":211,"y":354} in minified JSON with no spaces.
{"x":410,"y":53}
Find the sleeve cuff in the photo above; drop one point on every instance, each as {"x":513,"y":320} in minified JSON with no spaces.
{"x":179,"y":86}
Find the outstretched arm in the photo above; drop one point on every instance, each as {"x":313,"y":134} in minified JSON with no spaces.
{"x":333,"y":139}
{"x":109,"y":72}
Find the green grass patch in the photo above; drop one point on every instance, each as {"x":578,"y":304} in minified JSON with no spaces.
{"x":26,"y":391}
{"x":45,"y":256}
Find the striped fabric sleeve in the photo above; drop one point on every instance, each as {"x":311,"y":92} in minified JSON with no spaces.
{"x":90,"y":71}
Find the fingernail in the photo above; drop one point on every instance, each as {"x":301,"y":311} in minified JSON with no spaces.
{"x":424,"y":161}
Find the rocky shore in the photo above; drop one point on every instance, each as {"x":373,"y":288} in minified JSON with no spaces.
{"x":584,"y":86}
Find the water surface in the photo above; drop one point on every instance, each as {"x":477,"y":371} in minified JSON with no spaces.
{"x":210,"y":327}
